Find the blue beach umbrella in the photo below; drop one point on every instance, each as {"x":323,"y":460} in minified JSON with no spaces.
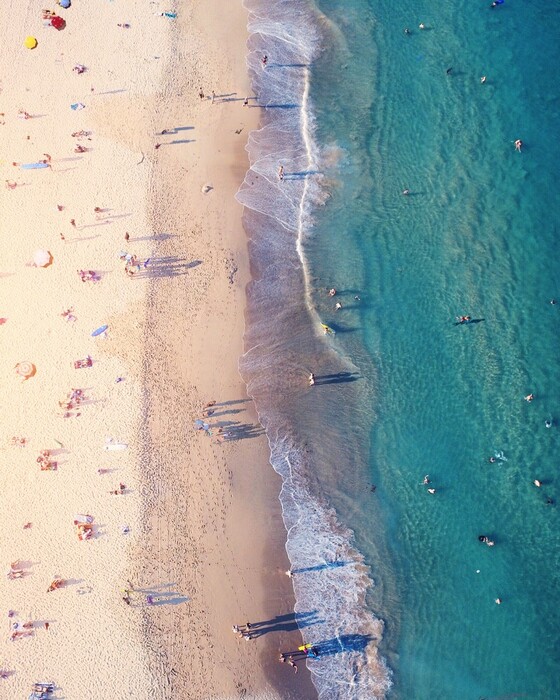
{"x":64,"y":3}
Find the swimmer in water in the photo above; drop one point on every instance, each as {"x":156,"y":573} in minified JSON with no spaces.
{"x":518,"y":143}
{"x":432,"y":491}
{"x":426,"y":480}
{"x":529,"y":397}
{"x":491,"y":460}
{"x":483,"y":79}
{"x":486,"y":540}
{"x":548,"y":423}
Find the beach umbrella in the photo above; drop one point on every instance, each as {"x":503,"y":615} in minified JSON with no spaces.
{"x":57,"y":22}
{"x":25,"y":369}
{"x":42,"y":258}
{"x":30,"y":42}
{"x":64,"y":3}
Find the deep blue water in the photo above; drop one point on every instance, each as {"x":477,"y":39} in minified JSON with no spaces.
{"x":401,"y":590}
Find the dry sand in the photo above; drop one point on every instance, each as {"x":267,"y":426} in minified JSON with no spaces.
{"x":198,"y":528}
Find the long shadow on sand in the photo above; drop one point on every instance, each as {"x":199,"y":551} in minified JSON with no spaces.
{"x":240,"y":431}
{"x":284,"y":623}
{"x":163,"y":594}
{"x":170,"y":266}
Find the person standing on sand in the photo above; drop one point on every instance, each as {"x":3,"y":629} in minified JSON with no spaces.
{"x":311,"y":379}
{"x":201,"y":93}
{"x":127,"y":236}
{"x":281,"y":173}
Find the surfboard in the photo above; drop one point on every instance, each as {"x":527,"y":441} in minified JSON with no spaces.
{"x":33,"y":166}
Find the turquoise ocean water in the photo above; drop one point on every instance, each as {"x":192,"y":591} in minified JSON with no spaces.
{"x":394,"y":585}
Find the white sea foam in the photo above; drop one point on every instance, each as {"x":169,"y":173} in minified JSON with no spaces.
{"x":330,"y":578}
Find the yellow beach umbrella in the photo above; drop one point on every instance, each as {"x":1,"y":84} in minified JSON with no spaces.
{"x":30,"y":42}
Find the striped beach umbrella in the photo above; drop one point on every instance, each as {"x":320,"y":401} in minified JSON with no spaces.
{"x":25,"y":369}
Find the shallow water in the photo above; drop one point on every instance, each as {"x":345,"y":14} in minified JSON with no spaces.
{"x":359,"y":111}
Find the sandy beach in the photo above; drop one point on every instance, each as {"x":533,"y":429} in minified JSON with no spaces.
{"x":155,"y":534}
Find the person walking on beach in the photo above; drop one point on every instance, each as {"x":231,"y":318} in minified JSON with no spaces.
{"x":281,"y":173}
{"x":201,"y":93}
{"x":264,"y":61}
{"x":311,"y":379}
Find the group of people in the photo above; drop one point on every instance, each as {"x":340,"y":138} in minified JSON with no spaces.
{"x":243,"y":631}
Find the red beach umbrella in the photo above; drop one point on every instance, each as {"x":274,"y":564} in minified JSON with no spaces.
{"x":57,"y":22}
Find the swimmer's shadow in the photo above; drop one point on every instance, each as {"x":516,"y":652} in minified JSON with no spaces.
{"x":468,"y":323}
{"x":320,"y":567}
{"x":301,"y":175}
{"x":338,"y":378}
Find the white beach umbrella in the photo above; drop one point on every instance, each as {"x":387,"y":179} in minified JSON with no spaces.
{"x":42,"y":258}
